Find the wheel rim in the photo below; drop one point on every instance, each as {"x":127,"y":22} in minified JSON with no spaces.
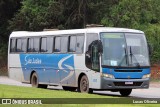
{"x":84,"y":85}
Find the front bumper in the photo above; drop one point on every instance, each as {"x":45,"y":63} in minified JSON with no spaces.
{"x":107,"y":83}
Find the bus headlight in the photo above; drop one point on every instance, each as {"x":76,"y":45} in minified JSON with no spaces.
{"x":146,"y":76}
{"x":107,"y":75}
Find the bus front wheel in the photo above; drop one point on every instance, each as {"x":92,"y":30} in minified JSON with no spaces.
{"x":84,"y":85}
{"x":125,"y":92}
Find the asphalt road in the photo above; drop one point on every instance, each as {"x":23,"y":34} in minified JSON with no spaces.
{"x":152,"y":92}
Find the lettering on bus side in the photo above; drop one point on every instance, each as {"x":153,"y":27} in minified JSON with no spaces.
{"x":32,"y":60}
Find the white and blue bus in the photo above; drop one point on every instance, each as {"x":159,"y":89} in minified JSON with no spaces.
{"x":100,"y":58}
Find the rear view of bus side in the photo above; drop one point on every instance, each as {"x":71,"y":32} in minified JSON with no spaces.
{"x":114,"y":59}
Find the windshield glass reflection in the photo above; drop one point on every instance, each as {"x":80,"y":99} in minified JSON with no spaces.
{"x":127,"y":49}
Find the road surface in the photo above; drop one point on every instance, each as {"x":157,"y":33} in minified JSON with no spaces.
{"x":152,"y":92}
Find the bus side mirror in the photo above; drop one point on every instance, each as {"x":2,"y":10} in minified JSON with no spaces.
{"x":150,"y":49}
{"x":100,"y":47}
{"x":98,"y":44}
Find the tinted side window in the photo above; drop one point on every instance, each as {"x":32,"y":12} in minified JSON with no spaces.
{"x":72,"y":44}
{"x":80,"y":43}
{"x":90,"y":38}
{"x":23,"y":44}
{"x":18,"y":48}
{"x":64,"y":44}
{"x":57,"y":44}
{"x":46,"y":44}
{"x":13,"y":45}
{"x":33,"y":45}
{"x":36,"y":45}
{"x":49,"y":44}
{"x":43,"y":45}
{"x":30,"y":45}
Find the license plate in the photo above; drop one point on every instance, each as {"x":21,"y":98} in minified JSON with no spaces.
{"x":127,"y":83}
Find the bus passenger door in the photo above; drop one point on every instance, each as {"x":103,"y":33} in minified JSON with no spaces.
{"x":95,"y":65}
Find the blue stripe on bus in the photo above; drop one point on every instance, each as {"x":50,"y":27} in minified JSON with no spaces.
{"x":127,"y":73}
{"x":50,"y":68}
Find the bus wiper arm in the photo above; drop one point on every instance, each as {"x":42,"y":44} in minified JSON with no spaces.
{"x":124,"y":57}
{"x":132,"y":55}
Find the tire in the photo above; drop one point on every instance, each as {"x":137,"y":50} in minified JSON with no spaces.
{"x":125,"y":92}
{"x":84,"y":85}
{"x":35,"y":82}
{"x":69,"y":88}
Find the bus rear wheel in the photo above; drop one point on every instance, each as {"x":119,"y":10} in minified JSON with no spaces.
{"x":125,"y":92}
{"x":35,"y":82}
{"x":84,"y":85}
{"x":69,"y":88}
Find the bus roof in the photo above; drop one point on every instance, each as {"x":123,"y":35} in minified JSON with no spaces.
{"x":74,"y":31}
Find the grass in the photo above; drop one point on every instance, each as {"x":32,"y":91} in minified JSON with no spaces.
{"x":7,"y":91}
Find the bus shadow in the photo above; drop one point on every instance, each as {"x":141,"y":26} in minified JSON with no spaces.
{"x":54,"y":87}
{"x":103,"y":93}
{"x":106,"y":94}
{"x":96,"y":93}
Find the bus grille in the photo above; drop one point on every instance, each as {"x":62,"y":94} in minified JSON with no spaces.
{"x":123,"y":84}
{"x":131,"y":70}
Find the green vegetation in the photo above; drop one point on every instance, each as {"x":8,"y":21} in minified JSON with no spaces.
{"x":7,"y":91}
{"x":29,"y":92}
{"x":36,"y":15}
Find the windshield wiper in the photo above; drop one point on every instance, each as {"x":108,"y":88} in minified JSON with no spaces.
{"x":124,"y":57}
{"x":132,"y":55}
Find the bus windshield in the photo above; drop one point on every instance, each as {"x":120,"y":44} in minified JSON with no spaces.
{"x":124,"y":50}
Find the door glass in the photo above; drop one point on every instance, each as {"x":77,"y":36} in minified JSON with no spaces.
{"x":95,"y":57}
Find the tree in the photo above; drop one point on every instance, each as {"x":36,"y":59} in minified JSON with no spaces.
{"x":35,"y":15}
{"x":7,"y":10}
